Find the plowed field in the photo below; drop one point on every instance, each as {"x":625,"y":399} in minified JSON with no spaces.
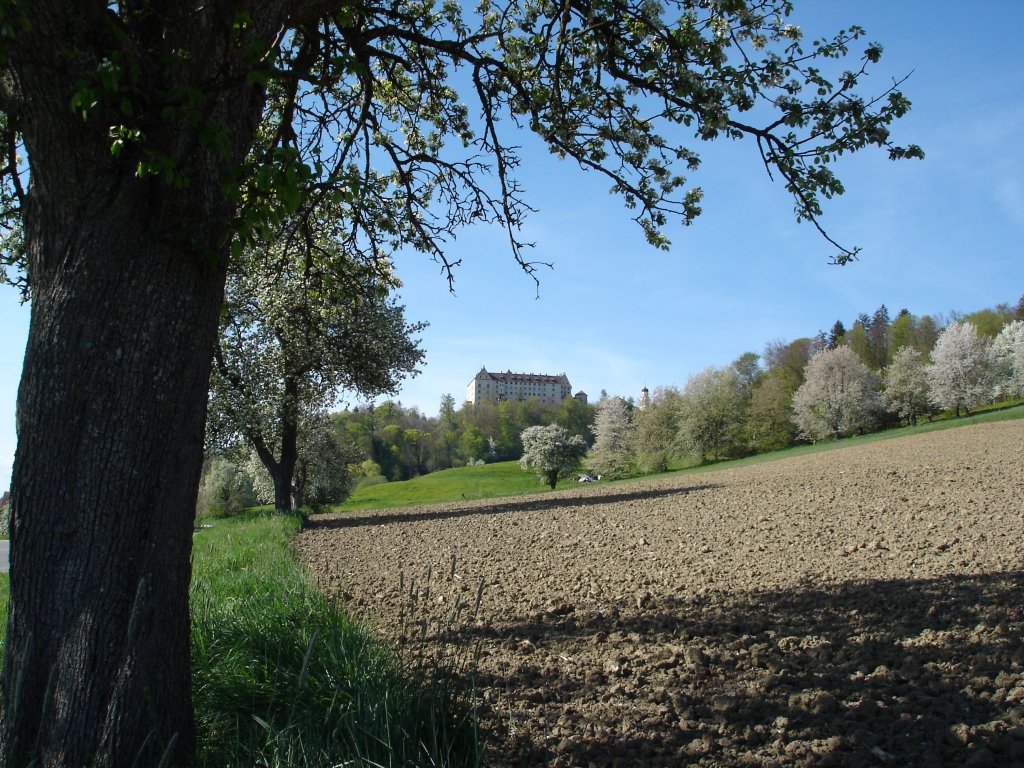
{"x":858,"y":607}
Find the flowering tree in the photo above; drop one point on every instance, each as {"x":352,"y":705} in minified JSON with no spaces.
{"x":551,"y":452}
{"x":1008,"y":360}
{"x":960,"y":374}
{"x":613,"y":451}
{"x":711,"y":413}
{"x":304,"y":317}
{"x":325,"y":467}
{"x":839,"y":396}
{"x":905,"y":386}
{"x":225,"y":489}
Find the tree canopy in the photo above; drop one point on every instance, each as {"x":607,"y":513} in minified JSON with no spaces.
{"x":960,"y":373}
{"x":839,"y":396}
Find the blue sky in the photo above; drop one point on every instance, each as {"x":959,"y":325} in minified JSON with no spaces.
{"x":940,"y":234}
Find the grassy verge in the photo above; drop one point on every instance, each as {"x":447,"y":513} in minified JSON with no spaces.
{"x":282,"y":678}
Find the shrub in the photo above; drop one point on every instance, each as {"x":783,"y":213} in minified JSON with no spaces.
{"x":224,"y":490}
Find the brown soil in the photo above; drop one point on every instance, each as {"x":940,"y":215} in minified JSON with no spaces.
{"x":859,"y":607}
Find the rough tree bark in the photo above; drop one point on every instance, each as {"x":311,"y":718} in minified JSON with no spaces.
{"x":102,"y":512}
{"x":284,"y":486}
{"x":127,"y":279}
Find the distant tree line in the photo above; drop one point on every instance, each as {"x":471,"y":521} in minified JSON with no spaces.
{"x":878,"y":373}
{"x":400,"y":443}
{"x":384,"y":442}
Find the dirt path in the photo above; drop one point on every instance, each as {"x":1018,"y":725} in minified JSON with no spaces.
{"x":860,"y":607}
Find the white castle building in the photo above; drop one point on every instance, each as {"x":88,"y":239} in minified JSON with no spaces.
{"x":548,"y":390}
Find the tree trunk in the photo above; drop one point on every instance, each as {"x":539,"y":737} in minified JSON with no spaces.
{"x":127,"y":278}
{"x":111,"y":413}
{"x":282,"y":490}
{"x":284,"y":475}
{"x":299,"y":487}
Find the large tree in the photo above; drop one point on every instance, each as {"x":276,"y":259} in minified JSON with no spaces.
{"x":305,"y":317}
{"x":839,"y":396}
{"x":903,"y":333}
{"x":960,"y":375}
{"x":770,"y":424}
{"x":656,"y":433}
{"x":711,"y":413}
{"x":148,"y":141}
{"x":1008,"y":360}
{"x":905,"y":386}
{"x":614,"y":450}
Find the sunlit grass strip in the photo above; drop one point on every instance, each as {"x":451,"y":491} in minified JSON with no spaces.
{"x":282,"y":678}
{"x":463,"y":483}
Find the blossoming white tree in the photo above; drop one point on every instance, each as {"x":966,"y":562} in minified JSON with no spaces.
{"x":711,"y":413}
{"x":304,"y":317}
{"x":551,"y":452}
{"x":839,"y":396}
{"x":905,"y":386}
{"x":960,"y":374}
{"x":612,"y":453}
{"x":1008,"y":360}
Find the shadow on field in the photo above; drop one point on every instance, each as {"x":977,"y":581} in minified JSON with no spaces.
{"x":501,"y":506}
{"x":902,"y":673}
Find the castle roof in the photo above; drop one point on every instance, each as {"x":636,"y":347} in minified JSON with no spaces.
{"x":509,"y":377}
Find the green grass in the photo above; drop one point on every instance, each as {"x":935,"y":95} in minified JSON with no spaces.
{"x":283,"y":678}
{"x":484,"y":482}
{"x":507,"y":479}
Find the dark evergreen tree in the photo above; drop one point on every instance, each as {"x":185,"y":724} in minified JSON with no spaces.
{"x":878,"y":337}
{"x":835,"y":336}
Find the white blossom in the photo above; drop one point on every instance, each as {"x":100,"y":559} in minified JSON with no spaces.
{"x":551,"y":452}
{"x":839,"y":396}
{"x":905,"y":386}
{"x":960,"y":374}
{"x":711,"y":412}
{"x":1008,"y":361}
{"x":612,"y":453}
